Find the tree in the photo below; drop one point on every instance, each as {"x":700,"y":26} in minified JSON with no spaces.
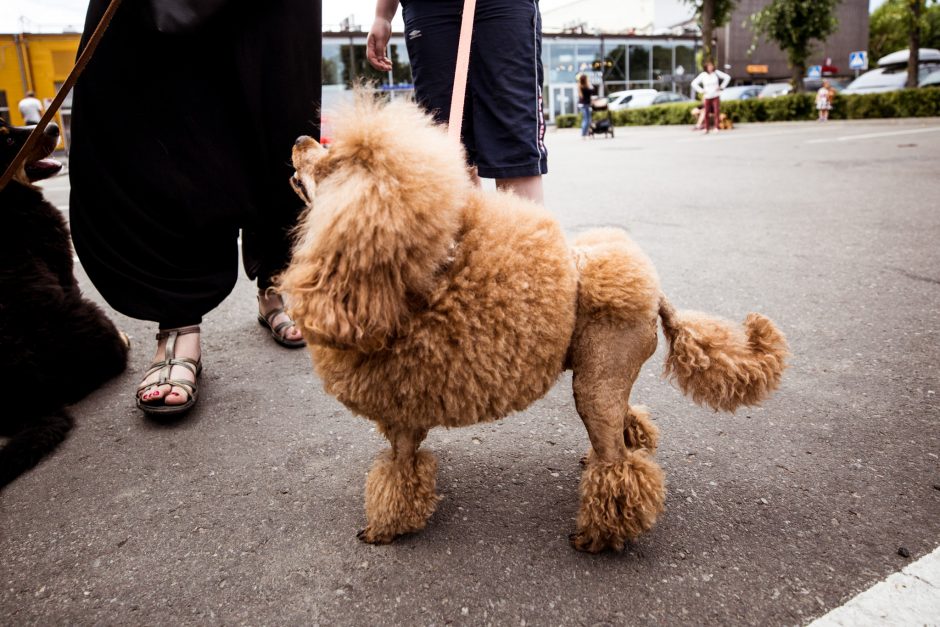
{"x":915,"y":12}
{"x":892,"y":26}
{"x":887,"y":30}
{"x":711,"y":14}
{"x":794,"y":25}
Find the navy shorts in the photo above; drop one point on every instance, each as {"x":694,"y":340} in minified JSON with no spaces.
{"x":503,"y":124}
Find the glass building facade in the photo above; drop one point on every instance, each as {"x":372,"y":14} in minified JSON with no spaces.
{"x":613,"y":63}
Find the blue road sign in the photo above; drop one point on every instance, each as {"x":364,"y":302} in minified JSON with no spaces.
{"x":858,"y":60}
{"x":814,"y":71}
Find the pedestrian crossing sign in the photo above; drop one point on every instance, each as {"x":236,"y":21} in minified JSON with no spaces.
{"x":814,"y":71}
{"x":858,"y":60}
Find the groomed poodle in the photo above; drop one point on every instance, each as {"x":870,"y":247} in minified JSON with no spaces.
{"x":427,"y":302}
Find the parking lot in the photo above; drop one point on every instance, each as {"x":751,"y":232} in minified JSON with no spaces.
{"x":247,"y":511}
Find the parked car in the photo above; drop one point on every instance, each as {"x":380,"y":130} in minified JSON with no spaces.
{"x":636,"y":98}
{"x":740,"y":92}
{"x":622,"y":99}
{"x":813,"y":84}
{"x":671,"y":97}
{"x":772,"y":90}
{"x":891,"y":73}
{"x":900,"y":57}
{"x":932,"y":80}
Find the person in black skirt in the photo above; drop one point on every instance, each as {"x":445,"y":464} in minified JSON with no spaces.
{"x":182,"y":129}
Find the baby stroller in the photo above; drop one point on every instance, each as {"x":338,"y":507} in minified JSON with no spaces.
{"x":603,"y":124}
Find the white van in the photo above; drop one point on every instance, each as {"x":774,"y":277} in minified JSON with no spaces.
{"x":891,"y":73}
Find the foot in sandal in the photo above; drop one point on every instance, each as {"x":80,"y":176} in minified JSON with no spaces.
{"x":169,"y":386}
{"x":271,"y":315}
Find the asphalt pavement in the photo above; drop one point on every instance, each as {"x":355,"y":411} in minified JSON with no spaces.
{"x":247,"y":511}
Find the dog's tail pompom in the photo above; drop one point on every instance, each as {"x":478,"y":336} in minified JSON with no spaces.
{"x":722,"y":365}
{"x":26,"y":448}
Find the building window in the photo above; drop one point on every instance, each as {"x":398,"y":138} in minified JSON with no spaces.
{"x":332,"y":66}
{"x":615,"y":64}
{"x":662,"y":63}
{"x":588,"y":60}
{"x":685,"y":59}
{"x":639,"y":63}
{"x":561,"y":63}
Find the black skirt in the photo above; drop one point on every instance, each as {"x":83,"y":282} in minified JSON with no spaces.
{"x":180,"y":139}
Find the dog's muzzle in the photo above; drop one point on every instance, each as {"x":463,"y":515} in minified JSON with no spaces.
{"x":299,"y":188}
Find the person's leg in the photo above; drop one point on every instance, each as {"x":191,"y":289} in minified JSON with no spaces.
{"x":506,"y":96}
{"x":268,"y":250}
{"x":585,"y":120}
{"x":186,"y":345}
{"x":710,"y":114}
{"x":525,"y":186}
{"x":277,"y":108}
{"x":434,"y":29}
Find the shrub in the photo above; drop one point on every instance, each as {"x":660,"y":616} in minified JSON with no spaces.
{"x":792,"y":107}
{"x":567,"y":120}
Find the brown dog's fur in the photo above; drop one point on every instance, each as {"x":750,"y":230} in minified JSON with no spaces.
{"x":427,"y":302}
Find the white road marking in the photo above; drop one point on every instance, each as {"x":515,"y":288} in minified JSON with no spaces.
{"x":848,"y":138}
{"x":910,"y":597}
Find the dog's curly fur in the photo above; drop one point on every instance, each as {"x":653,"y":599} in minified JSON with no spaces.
{"x":427,"y":302}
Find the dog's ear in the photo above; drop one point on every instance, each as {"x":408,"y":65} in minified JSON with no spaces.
{"x":388,"y":204}
{"x":364,"y":253}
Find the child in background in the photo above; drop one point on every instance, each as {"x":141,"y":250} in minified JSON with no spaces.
{"x":824,"y":99}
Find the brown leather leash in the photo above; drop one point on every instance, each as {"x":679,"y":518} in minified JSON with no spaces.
{"x":460,"y":75}
{"x":83,"y":60}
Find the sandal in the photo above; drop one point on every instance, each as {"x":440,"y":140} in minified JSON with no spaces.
{"x":276,"y":331}
{"x":165,"y":366}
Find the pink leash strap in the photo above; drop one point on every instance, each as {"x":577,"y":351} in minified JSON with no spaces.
{"x":460,"y":75}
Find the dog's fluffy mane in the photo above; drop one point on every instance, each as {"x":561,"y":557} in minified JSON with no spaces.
{"x":382,"y":219}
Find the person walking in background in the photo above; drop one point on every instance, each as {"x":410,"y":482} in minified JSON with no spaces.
{"x":31,"y":109}
{"x":710,"y":83}
{"x":162,"y":186}
{"x":824,"y":98}
{"x":585,"y":93}
{"x":503,"y":127}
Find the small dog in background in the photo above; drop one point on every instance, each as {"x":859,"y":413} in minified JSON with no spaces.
{"x":57,"y":346}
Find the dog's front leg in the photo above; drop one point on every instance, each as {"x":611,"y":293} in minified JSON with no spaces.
{"x":400,"y":494}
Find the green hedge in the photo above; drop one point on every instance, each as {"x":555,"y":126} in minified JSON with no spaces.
{"x":907,"y":103}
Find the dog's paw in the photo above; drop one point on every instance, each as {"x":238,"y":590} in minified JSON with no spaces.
{"x":369,"y":536}
{"x":580,"y":541}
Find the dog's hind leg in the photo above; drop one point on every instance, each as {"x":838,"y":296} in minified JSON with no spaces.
{"x":621,"y":487}
{"x":400,"y":493}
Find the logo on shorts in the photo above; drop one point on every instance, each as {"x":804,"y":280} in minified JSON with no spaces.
{"x":414,"y":34}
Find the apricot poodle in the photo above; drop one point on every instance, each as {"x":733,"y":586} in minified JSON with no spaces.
{"x":427,"y":302}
